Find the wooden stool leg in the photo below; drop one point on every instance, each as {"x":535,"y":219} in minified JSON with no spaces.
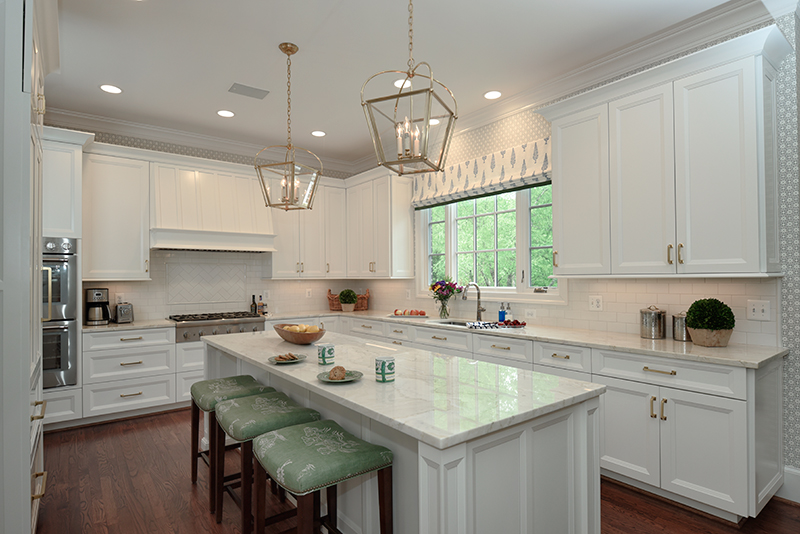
{"x":247,"y":484}
{"x":331,"y":495}
{"x":212,"y":461}
{"x":260,"y":496}
{"x":317,"y":498}
{"x":195,"y":439}
{"x":385,"y":499}
{"x":220,"y":477}
{"x":274,"y":486}
{"x":281,"y":494}
{"x":305,"y":514}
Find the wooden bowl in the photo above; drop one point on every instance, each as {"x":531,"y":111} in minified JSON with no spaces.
{"x":298,"y":338}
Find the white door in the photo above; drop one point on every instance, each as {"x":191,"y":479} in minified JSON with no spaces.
{"x":286,"y":259}
{"x":581,"y":235}
{"x":335,"y":231}
{"x":61,"y":191}
{"x":629,"y":434}
{"x":312,"y":238}
{"x":642,"y":183}
{"x":382,"y":225}
{"x":116,"y":218}
{"x":704,"y":449}
{"x":716,"y":170}
{"x":360,"y":231}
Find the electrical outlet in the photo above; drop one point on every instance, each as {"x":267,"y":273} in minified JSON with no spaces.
{"x":595,"y":303}
{"x":408,"y":294}
{"x":308,"y":293}
{"x":265,"y":294}
{"x":530,"y":314}
{"x":120,"y":298}
{"x":758,"y":310}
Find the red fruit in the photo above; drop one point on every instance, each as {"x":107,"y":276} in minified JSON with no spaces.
{"x":414,"y":312}
{"x":422,"y":312}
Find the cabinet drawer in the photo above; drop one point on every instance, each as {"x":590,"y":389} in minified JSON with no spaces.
{"x":680,"y":374}
{"x":105,"y":365}
{"x":444,"y":338}
{"x":518,"y":350}
{"x":189,"y":356}
{"x":563,"y":356}
{"x":362,"y":327}
{"x":402,"y":332}
{"x":183,"y":384}
{"x":565,"y":373}
{"x":123,"y":339}
{"x":63,"y":405}
{"x":124,"y":395}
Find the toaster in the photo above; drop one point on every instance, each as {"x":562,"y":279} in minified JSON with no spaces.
{"x":125,"y":313}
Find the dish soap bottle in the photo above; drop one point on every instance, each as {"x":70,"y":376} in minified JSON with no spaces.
{"x":509,"y":315}
{"x":501,"y":315}
{"x":260,"y":306}
{"x":254,"y":306}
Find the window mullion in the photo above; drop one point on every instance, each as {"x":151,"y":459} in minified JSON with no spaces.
{"x":523,"y":240}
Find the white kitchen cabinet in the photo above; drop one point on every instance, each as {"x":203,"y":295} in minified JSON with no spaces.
{"x":116,"y":218}
{"x":581,"y":233}
{"x":62,"y":178}
{"x":380,"y":226}
{"x":63,"y":404}
{"x":503,"y":350}
{"x":335,"y":231}
{"x":300,"y":240}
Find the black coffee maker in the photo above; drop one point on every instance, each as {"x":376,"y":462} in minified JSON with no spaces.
{"x":97,"y":310}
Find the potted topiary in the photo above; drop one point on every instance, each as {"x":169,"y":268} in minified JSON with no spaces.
{"x":710,"y":323}
{"x":348,"y":299}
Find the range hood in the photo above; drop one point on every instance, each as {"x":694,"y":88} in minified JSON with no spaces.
{"x":210,"y":240}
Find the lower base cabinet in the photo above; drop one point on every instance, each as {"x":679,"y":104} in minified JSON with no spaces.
{"x":125,"y":395}
{"x":63,"y":404}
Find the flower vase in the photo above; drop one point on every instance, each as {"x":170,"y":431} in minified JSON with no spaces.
{"x":444,"y":313}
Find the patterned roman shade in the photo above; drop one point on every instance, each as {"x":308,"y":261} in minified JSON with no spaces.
{"x":506,"y":170}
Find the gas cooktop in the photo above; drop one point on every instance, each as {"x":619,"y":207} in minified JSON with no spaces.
{"x":194,"y":326}
{"x":214,"y":316}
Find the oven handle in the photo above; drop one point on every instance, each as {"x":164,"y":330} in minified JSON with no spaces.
{"x":49,"y":294}
{"x":54,"y":328}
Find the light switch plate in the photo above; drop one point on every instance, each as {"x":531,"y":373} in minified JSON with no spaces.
{"x":408,"y":294}
{"x":265,"y":294}
{"x":120,"y":298}
{"x":530,"y":314}
{"x":758,"y":310}
{"x":308,"y":293}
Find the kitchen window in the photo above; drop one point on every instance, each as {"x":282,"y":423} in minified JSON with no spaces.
{"x":504,"y":242}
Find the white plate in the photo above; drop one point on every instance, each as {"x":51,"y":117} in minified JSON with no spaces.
{"x":276,"y":361}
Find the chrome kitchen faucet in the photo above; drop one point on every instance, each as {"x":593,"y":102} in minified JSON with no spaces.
{"x":480,"y":308}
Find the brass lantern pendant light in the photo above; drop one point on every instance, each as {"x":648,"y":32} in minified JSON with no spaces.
{"x":298,"y":182}
{"x":411,"y":129}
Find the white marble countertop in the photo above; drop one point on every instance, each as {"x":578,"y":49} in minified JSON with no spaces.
{"x":136,"y":325}
{"x":735,"y":355}
{"x":440,"y":400}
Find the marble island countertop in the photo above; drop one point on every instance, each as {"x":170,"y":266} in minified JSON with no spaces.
{"x":735,"y":355}
{"x":437,"y":399}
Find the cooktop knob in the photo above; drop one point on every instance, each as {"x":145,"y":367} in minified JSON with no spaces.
{"x":201,"y":334}
{"x":214,"y":332}
{"x":186,"y":335}
{"x":229,"y":330}
{"x":255,"y":329}
{"x":241,"y":329}
{"x":50,"y":245}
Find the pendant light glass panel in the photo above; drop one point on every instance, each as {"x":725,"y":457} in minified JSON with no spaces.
{"x":289,"y":185}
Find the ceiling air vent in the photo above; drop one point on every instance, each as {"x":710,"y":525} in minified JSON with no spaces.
{"x":246,"y":90}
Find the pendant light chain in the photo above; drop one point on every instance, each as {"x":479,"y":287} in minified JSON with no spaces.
{"x":410,"y":36}
{"x":289,"y":99}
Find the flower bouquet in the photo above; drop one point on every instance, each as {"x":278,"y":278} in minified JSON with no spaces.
{"x":442,"y":291}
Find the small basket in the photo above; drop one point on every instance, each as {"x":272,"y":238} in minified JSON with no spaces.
{"x":362,"y":302}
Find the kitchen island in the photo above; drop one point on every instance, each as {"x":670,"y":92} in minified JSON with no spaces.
{"x":478,"y":447}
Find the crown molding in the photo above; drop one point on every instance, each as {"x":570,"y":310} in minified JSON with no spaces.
{"x":95,"y":123}
{"x":779,"y":8}
{"x":679,"y":40}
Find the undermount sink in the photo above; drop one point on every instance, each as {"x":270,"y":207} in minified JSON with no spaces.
{"x":452,"y":322}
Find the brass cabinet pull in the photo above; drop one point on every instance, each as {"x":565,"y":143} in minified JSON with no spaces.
{"x":297,"y":267}
{"x":397,"y":331}
{"x":43,"y":475}
{"x":49,"y":294}
{"x":648,"y":370}
{"x":327,"y":267}
{"x":43,"y":404}
{"x":663,"y":402}
{"x":652,"y":413}
{"x":147,"y":266}
{"x":130,"y":338}
{"x":131,"y":363}
{"x":501,"y":348}
{"x":397,"y":342}
{"x":554,"y":355}
{"x":555,"y":263}
{"x":40,"y":98}
{"x":669,"y":254}
{"x":123,"y":395}
{"x":439,"y":338}
{"x":302,"y":267}
{"x":365,"y":326}
{"x":680,"y":247}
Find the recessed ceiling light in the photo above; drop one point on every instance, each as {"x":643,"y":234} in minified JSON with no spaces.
{"x":225,"y":113}
{"x":433,"y":122}
{"x":113,"y":89}
{"x":491,"y":95}
{"x":405,"y":83}
{"x":318,"y":133}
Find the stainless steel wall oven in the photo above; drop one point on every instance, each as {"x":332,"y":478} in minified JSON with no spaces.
{"x":59,"y":312}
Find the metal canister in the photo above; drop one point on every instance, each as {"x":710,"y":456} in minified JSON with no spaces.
{"x":653,"y":324}
{"x":679,"y":331}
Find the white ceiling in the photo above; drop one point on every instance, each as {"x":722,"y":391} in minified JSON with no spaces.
{"x":176,"y":59}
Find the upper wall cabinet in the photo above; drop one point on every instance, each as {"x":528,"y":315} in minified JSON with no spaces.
{"x":213,"y":208}
{"x":678,"y":176}
{"x":116,"y":218}
{"x":62,"y":172}
{"x":301,"y":239}
{"x":380,"y":226}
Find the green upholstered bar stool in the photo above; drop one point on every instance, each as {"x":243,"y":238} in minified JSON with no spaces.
{"x":306,"y":458}
{"x":205,"y":396}
{"x":244,"y":419}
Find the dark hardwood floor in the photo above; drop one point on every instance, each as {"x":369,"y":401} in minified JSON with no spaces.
{"x":133,"y":477}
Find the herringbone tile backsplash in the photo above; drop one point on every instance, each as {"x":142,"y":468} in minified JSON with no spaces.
{"x":206,"y":283}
